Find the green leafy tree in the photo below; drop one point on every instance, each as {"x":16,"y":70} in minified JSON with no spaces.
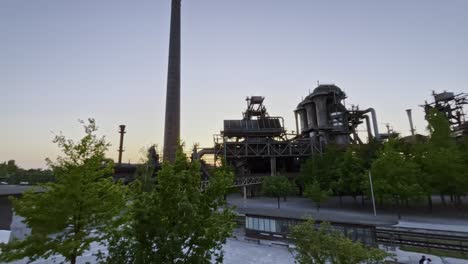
{"x":312,"y":244}
{"x":316,"y":194}
{"x":367,"y":153}
{"x":323,"y":168}
{"x":31,"y":176}
{"x":350,"y":174}
{"x":276,"y":186}
{"x":175,"y":221}
{"x":424,"y":179}
{"x":7,"y":169}
{"x":320,"y":245}
{"x":68,"y":215}
{"x":442,"y":160}
{"x":349,"y":252}
{"x":395,"y":176}
{"x":463,"y":148}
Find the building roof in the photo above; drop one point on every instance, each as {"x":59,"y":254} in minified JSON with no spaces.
{"x":8,"y":189}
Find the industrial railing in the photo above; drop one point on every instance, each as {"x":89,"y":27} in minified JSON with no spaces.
{"x":451,"y":241}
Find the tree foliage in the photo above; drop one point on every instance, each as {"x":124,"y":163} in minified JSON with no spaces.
{"x":66,"y":216}
{"x":321,"y":245}
{"x":174,"y":221}
{"x":442,"y":159}
{"x":350,"y":174}
{"x":276,"y":186}
{"x":316,"y":194}
{"x":322,"y":168}
{"x":394,"y":176}
{"x":12,"y":174}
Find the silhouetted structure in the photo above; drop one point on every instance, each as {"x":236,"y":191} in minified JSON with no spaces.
{"x":127,"y":172}
{"x":172,"y":121}
{"x":451,"y":105}
{"x":121,"y":132}
{"x":258,"y":145}
{"x":323,"y":117}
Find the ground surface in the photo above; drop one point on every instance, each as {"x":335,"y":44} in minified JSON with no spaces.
{"x":449,"y":219}
{"x":239,"y":251}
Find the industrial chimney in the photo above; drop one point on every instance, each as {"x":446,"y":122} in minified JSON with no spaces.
{"x":408,"y":111}
{"x":172,"y":121}
{"x":121,"y":132}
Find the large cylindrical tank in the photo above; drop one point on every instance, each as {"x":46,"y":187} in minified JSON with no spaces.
{"x":303,"y":118}
{"x":322,"y":112}
{"x":311,"y":114}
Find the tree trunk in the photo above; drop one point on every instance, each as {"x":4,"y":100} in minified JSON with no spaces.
{"x":341,"y":200}
{"x":429,"y":202}
{"x":73,"y":259}
{"x":284,"y":199}
{"x":278,"y":202}
{"x":318,"y":207}
{"x":442,"y":198}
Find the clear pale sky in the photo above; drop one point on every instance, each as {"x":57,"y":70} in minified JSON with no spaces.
{"x":61,"y":61}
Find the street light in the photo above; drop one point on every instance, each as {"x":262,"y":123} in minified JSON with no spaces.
{"x":372,"y":193}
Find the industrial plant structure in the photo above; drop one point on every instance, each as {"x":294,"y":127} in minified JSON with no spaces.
{"x":323,"y":117}
{"x":259,"y":145}
{"x":451,"y":105}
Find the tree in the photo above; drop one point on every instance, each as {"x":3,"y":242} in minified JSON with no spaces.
{"x":175,"y":221}
{"x":350,"y":174}
{"x":323,"y":168}
{"x":320,"y":245}
{"x":7,"y":169}
{"x":442,"y":159}
{"x":395,"y":176}
{"x":316,"y":194}
{"x":313,"y":245}
{"x":276,"y":186}
{"x":70,"y":213}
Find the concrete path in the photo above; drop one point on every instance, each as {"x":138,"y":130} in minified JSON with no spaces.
{"x":298,"y":206}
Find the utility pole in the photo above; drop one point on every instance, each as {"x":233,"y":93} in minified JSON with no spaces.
{"x":372,"y":193}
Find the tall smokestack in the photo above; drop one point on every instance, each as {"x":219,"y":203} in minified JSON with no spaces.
{"x":408,"y":111}
{"x":121,"y":132}
{"x":172,"y":122}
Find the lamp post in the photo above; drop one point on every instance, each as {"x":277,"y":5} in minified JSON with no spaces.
{"x":372,"y":193}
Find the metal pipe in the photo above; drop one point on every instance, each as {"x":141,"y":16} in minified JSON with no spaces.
{"x":408,"y":111}
{"x":374,"y":122}
{"x":204,"y":151}
{"x":369,"y":129}
{"x":297,"y":123}
{"x":122,"y":132}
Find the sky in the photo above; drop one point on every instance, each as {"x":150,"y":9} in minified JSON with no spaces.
{"x":61,"y":61}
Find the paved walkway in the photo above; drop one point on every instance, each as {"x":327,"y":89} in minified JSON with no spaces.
{"x":298,"y":207}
